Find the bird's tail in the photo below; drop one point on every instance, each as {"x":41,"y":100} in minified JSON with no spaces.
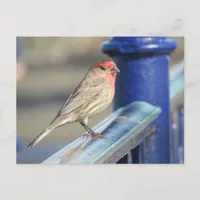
{"x":40,"y":137}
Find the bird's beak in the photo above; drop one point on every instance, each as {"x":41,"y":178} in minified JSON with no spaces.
{"x":115,"y":69}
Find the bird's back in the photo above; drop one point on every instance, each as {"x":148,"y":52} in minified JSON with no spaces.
{"x":91,"y":96}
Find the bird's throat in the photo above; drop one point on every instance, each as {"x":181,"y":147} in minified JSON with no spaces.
{"x":110,"y":78}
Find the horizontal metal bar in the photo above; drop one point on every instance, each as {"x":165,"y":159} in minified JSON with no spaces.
{"x":125,"y":129}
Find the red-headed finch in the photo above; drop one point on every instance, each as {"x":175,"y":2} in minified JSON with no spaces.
{"x":94,"y":93}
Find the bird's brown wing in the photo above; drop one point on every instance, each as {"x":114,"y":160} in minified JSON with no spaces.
{"x":89,"y":88}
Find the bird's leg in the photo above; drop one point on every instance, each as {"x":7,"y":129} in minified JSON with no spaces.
{"x":91,"y":132}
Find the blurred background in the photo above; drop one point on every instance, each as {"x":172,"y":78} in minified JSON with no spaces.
{"x":48,"y":71}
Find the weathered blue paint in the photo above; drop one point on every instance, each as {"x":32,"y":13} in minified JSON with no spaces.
{"x":123,"y":160}
{"x":123,"y":133}
{"x":143,"y":62}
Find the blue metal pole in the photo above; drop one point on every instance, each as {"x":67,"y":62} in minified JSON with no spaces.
{"x":143,"y":62}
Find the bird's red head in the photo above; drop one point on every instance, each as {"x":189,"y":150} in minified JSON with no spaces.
{"x":107,"y":70}
{"x":106,"y":66}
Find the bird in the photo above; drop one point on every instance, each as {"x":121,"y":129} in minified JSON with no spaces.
{"x":93,"y":94}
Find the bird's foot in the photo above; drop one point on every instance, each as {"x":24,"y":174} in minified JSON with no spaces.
{"x":98,"y":135}
{"x":94,"y":135}
{"x":85,"y":135}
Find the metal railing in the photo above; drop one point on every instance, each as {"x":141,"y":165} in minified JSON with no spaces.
{"x":147,"y":125}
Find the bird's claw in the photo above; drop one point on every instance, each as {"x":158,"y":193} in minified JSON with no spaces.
{"x":94,"y":135}
{"x":98,"y":135}
{"x":85,"y":135}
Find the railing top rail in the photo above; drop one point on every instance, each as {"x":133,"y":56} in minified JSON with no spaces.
{"x":122,"y":128}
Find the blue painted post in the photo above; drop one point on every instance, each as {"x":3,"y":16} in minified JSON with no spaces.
{"x":143,"y":62}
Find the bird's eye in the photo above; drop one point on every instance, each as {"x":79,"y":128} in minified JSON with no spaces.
{"x":102,"y":68}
